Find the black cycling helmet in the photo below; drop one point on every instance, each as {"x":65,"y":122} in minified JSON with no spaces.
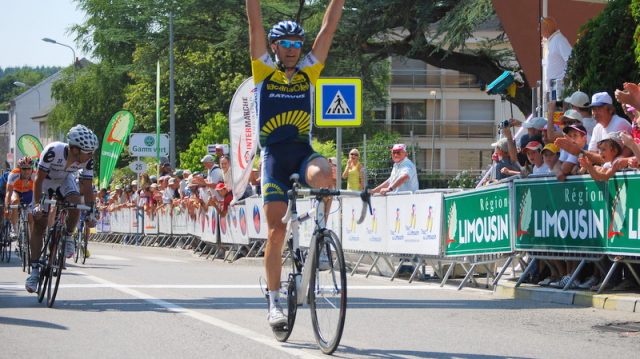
{"x":285,"y":28}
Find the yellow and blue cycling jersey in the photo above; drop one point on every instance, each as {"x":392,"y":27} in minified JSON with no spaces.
{"x":284,"y":107}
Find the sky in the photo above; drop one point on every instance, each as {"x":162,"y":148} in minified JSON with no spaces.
{"x":23,"y":23}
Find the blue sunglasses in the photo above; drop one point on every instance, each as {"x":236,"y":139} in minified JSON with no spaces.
{"x":287,"y":44}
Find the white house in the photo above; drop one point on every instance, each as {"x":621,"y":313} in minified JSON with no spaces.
{"x":28,"y":115}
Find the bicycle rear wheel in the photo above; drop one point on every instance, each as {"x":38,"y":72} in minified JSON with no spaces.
{"x":23,"y":240}
{"x":328,"y":292}
{"x":57,"y":264}
{"x":84,"y":247}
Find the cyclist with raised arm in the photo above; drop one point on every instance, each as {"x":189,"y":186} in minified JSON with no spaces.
{"x":59,"y":163}
{"x":284,"y":104}
{"x":19,"y":190}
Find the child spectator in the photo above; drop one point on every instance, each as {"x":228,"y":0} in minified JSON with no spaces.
{"x":550,"y":156}
{"x":610,"y":150}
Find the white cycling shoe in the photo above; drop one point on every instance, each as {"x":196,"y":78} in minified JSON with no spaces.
{"x":276,"y":317}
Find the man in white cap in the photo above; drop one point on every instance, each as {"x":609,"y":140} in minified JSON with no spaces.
{"x":214,"y":173}
{"x":580,"y":102}
{"x":604,"y":113}
{"x":404,"y":176}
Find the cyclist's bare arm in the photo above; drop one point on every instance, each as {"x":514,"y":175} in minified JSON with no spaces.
{"x":86,"y":190}
{"x":7,"y":197}
{"x":37,"y":186}
{"x":329,"y":26}
{"x":257,"y":35}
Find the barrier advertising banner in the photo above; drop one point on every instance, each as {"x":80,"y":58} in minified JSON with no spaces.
{"x":569,"y":216}
{"x":257,"y":223}
{"x":371,"y":235}
{"x":478,"y":222}
{"x":623,"y":234}
{"x":414,"y":223}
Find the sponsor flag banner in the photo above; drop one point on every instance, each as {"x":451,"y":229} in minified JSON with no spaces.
{"x":623,"y":234}
{"x":569,"y":216}
{"x":243,"y":132}
{"x":478,"y":222}
{"x":30,"y":146}
{"x":115,"y":137}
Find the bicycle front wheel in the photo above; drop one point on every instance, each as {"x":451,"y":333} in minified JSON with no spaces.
{"x":57,"y":264}
{"x":84,"y":247}
{"x":78,"y":239}
{"x":328,"y":292}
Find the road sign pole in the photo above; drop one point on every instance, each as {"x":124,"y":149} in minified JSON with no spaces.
{"x":339,"y":158}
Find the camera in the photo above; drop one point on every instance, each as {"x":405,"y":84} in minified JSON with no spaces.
{"x":504,"y":124}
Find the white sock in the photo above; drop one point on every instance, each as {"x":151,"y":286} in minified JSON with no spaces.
{"x":273,"y":297}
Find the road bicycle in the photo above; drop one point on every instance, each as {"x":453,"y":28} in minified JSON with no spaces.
{"x":81,"y":239}
{"x":52,"y":256}
{"x":318,"y":274}
{"x":23,"y":232}
{"x":5,"y":239}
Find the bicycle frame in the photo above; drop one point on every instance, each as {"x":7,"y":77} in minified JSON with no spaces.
{"x":293,"y":230}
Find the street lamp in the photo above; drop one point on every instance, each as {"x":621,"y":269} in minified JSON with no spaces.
{"x":433,"y":129}
{"x":73,"y":63}
{"x":23,"y":85}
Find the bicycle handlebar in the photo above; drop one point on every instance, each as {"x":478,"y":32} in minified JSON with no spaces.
{"x":364,"y":195}
{"x":66,"y":205}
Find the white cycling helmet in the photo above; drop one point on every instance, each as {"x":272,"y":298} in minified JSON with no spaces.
{"x":82,"y":137}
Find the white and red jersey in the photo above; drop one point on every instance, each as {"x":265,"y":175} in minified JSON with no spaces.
{"x":53,"y":161}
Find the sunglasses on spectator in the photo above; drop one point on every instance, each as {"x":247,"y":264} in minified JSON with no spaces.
{"x":354,"y":154}
{"x":287,"y":44}
{"x":396,"y":152}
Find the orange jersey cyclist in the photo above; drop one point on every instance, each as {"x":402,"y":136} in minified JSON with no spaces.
{"x":19,"y":189}
{"x":284,"y":105}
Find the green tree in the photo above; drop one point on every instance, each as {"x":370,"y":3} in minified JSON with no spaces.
{"x":602,"y":59}
{"x":432,"y":31}
{"x":215,"y":130}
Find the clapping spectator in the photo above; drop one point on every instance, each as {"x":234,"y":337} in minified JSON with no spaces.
{"x":610,"y":150}
{"x":354,"y":171}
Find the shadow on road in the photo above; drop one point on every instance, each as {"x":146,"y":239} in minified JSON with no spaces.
{"x":30,"y":323}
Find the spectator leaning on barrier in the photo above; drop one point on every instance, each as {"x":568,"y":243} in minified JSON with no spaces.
{"x":533,"y":150}
{"x":604,"y":113}
{"x":214,"y":172}
{"x":404,"y":176}
{"x":575,"y":136}
{"x":506,"y":157}
{"x":550,"y":156}
{"x":610,"y":150}
{"x":222,"y":205}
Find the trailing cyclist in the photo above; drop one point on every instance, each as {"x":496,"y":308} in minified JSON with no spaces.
{"x":284,"y":95}
{"x":19,"y":190}
{"x":59,"y":163}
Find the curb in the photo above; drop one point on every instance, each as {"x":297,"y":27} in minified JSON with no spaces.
{"x":625,"y":302}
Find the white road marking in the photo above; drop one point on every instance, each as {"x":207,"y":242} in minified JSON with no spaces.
{"x":218,"y":286}
{"x":228,"y":326}
{"x":109,"y":258}
{"x":162,"y":259}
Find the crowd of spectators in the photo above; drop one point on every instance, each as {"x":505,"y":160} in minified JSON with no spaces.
{"x":588,"y":138}
{"x":182,"y":189}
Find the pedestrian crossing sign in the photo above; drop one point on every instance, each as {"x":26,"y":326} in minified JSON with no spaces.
{"x":338,"y":102}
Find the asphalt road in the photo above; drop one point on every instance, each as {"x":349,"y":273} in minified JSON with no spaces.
{"x":168,"y":303}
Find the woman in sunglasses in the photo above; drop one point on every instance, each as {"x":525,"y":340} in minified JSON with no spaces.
{"x":284,"y":102}
{"x":354,"y":172}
